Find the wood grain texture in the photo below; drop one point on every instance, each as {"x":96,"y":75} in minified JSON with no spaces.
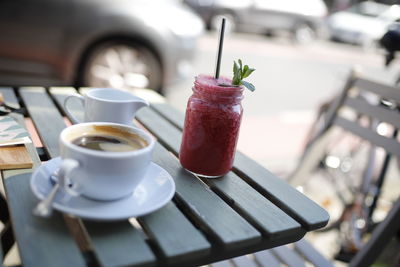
{"x":311,"y":254}
{"x":74,"y":106}
{"x":9,"y":96}
{"x":244,"y":261}
{"x":288,"y":256}
{"x":226,"y":263}
{"x":174,"y":234}
{"x":304,"y":210}
{"x":42,"y":242}
{"x":119,"y":244}
{"x":170,"y":113}
{"x":30,"y":149}
{"x":221,"y":222}
{"x":15,"y":157}
{"x":46,"y":118}
{"x":167,"y":134}
{"x":28,"y":228}
{"x":268,"y":218}
{"x":266,"y":259}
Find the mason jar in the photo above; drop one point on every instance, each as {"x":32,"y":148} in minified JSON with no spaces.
{"x":211,"y":129}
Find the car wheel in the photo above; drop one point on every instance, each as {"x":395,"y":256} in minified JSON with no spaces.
{"x":230,"y":22}
{"x":304,"y":33}
{"x":122,"y":65}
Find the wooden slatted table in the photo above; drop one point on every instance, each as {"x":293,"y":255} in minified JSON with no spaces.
{"x":247,"y":210}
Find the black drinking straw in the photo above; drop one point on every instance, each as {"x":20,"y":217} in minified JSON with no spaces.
{"x":220,"y":45}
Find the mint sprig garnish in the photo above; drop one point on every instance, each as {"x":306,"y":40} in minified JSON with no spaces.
{"x":240,"y":72}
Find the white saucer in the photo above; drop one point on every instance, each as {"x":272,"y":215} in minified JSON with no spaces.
{"x":155,"y":191}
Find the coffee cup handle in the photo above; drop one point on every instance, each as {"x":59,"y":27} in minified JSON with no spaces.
{"x":64,"y":180}
{"x":70,"y":115}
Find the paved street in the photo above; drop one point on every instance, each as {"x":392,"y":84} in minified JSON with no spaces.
{"x":291,"y":82}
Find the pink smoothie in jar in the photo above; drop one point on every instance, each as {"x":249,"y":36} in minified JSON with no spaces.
{"x":211,"y":129}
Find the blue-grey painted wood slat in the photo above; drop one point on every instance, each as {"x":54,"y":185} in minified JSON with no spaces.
{"x":45,"y":116}
{"x":270,"y":220}
{"x":173,"y":115}
{"x":173,"y":244}
{"x":174,"y":234}
{"x":225,"y":263}
{"x":379,"y":112}
{"x":389,"y":144}
{"x":9,"y":96}
{"x":300,"y":207}
{"x":119,"y":244}
{"x":32,"y":223}
{"x":307,"y":212}
{"x":288,"y":256}
{"x":244,"y":261}
{"x":74,"y":106}
{"x":41,"y":242}
{"x":311,"y":254}
{"x":386,"y":91}
{"x":211,"y":213}
{"x":266,"y":259}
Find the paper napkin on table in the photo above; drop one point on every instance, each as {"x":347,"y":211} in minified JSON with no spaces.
{"x":12,"y":133}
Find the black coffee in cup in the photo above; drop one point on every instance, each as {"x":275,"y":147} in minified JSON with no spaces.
{"x":106,"y":143}
{"x":111,"y":139}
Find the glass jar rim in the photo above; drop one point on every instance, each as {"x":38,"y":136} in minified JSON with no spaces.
{"x":221,"y":86}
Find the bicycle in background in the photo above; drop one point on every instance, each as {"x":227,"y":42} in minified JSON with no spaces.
{"x":352,"y":167}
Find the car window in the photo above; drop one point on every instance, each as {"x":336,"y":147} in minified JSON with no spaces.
{"x":368,"y":9}
{"x":392,"y":13}
{"x":306,"y":7}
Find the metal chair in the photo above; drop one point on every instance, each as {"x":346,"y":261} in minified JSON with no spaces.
{"x":361,"y":109}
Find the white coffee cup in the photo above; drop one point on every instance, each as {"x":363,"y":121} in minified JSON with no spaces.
{"x":107,"y":105}
{"x":99,"y":174}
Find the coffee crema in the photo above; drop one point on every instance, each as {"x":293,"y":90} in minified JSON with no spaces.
{"x":108,"y":143}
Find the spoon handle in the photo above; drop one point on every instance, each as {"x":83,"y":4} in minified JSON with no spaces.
{"x":44,"y":208}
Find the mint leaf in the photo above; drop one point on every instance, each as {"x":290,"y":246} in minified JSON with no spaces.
{"x":235,"y":67}
{"x":245,"y":69}
{"x":240,"y":72}
{"x":249,"y":86}
{"x":236,"y":77}
{"x":247,"y":72}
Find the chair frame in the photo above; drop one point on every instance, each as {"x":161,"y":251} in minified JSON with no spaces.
{"x":314,"y":152}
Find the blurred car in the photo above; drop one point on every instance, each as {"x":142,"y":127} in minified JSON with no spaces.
{"x":362,"y":24}
{"x":303,"y":19}
{"x":100,"y":43}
